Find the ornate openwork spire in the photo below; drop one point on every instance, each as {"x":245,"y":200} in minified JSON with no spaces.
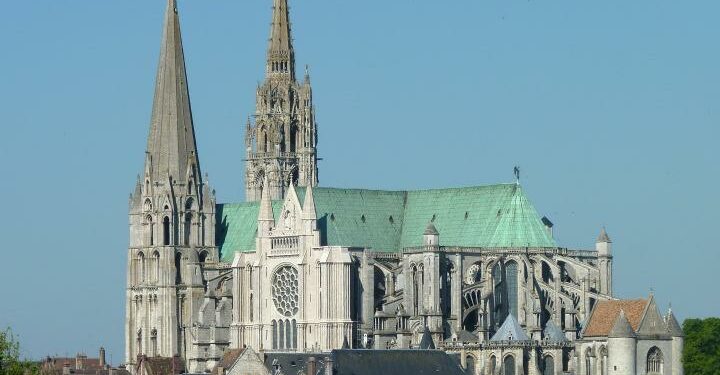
{"x":280,"y":55}
{"x":171,"y":143}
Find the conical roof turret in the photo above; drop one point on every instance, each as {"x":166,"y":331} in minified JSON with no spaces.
{"x":603,"y":237}
{"x":171,"y":143}
{"x":622,"y":327}
{"x":673,"y":327}
{"x":430,"y":230}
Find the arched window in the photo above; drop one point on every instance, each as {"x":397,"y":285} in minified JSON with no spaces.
{"x":153,"y":340}
{"x":294,"y":334}
{"x":156,"y":266}
{"x":493,"y":364}
{"x":548,"y":364}
{"x":511,"y":275}
{"x":141,"y":267}
{"x":588,"y":364}
{"x":147,"y":206}
{"x":178,"y":268}
{"x":655,"y":361}
{"x":603,"y":361}
{"x":281,"y":334}
{"x":509,"y":365}
{"x":203,"y":256}
{"x":166,"y":231}
{"x":251,"y":307}
{"x":188,"y":228}
{"x":288,"y":334}
{"x":274,"y":333}
{"x":139,"y":341}
{"x":150,"y":230}
{"x":470,"y":364}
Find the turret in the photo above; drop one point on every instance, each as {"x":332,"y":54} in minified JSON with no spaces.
{"x":678,"y":342}
{"x":603,"y":246}
{"x":622,"y":347}
{"x":431,"y":236}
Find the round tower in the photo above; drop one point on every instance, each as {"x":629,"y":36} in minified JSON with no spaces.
{"x":622,"y":347}
{"x":603,"y":246}
{"x":678,"y":342}
{"x":431,"y":236}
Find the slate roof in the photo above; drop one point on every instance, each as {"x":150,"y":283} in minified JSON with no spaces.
{"x":396,"y":362}
{"x":553,"y":333}
{"x":480,"y":216}
{"x":621,"y":327}
{"x":426,"y":342}
{"x":510,"y":330}
{"x":605,"y":313}
{"x":673,"y":326}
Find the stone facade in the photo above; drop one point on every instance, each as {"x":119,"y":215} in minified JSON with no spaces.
{"x":301,"y":268}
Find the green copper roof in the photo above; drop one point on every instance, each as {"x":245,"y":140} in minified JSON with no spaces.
{"x":480,"y":216}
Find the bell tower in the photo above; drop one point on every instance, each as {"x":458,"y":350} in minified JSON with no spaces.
{"x":172,"y":218}
{"x":281,"y":143}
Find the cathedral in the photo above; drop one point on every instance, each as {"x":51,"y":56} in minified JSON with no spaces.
{"x":472,"y":271}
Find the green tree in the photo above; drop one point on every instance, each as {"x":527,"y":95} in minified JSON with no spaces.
{"x":10,"y":363}
{"x":701,"y":355}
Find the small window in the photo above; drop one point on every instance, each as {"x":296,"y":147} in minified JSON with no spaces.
{"x":362,"y":218}
{"x":433,"y":218}
{"x":466,"y":215}
{"x":332,"y":217}
{"x":392,"y":221}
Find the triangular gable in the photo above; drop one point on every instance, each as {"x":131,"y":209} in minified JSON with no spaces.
{"x":652,"y":322}
{"x":290,"y":220}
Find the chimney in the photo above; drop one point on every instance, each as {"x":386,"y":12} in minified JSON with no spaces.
{"x":311,"y":366}
{"x":101,"y":358}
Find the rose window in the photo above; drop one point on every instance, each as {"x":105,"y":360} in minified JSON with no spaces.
{"x":285,"y":291}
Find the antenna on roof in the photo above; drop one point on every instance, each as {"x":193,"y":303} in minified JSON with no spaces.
{"x":516,"y":171}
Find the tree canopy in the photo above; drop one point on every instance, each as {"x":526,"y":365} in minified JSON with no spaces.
{"x":10,"y":363}
{"x":701,"y":355}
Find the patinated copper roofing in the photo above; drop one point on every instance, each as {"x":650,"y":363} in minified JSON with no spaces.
{"x":605,"y":314}
{"x":493,"y":216}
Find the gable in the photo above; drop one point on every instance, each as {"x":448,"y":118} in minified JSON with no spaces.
{"x":652,"y":322}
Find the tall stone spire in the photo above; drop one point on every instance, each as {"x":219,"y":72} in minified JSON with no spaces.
{"x":280,"y":54}
{"x":282,"y":143}
{"x":172,"y":217}
{"x":171,"y":142}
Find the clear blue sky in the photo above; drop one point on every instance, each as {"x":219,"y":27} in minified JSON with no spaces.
{"x":609,"y":107}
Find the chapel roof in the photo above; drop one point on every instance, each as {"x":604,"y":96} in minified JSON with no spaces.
{"x":605,"y":314}
{"x":492,"y":216}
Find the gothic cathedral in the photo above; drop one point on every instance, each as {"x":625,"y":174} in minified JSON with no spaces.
{"x":474,"y":271}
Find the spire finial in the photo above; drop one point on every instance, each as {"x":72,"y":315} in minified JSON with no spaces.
{"x":280,"y":55}
{"x":516,"y":172}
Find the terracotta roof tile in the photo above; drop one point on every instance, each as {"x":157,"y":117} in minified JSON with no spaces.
{"x":606,"y":312}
